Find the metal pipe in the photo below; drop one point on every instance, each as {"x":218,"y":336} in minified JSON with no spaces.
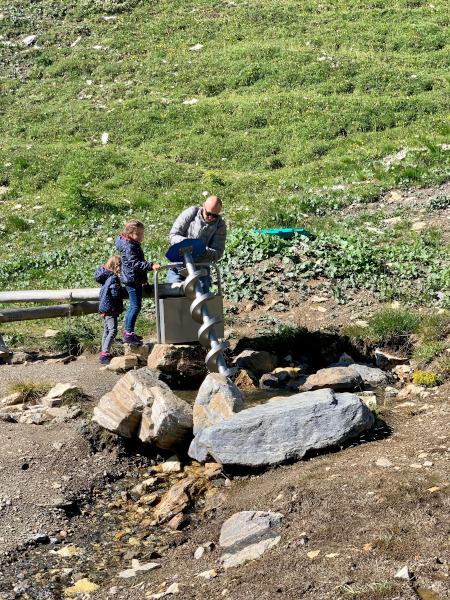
{"x":165,"y":290}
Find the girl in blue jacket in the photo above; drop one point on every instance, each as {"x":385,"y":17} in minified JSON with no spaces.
{"x":134,"y":274}
{"x":111,"y":303}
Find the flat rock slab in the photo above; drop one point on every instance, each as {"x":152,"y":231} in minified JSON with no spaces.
{"x":372,"y":376}
{"x":247,"y":535}
{"x":283,"y":429}
{"x":336,"y":378}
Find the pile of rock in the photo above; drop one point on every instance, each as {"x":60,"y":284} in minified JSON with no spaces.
{"x":141,"y":405}
{"x":15,"y":408}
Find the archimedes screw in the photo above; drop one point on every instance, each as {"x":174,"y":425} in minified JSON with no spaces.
{"x":207,"y":337}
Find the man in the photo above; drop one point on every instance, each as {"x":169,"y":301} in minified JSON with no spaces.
{"x":202,"y":223}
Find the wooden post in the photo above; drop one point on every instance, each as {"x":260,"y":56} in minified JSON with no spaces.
{"x":48,"y":312}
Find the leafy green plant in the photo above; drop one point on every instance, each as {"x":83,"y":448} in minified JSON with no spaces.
{"x":15,"y":223}
{"x":439,"y":203}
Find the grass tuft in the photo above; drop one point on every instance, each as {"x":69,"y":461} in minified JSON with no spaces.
{"x":392,"y":327}
{"x":30,"y":391}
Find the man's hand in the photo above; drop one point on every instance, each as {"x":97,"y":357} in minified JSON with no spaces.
{"x":156,"y":267}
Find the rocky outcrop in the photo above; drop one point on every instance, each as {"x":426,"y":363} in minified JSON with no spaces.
{"x":247,"y":535}
{"x":283,"y":429}
{"x":384,"y":360}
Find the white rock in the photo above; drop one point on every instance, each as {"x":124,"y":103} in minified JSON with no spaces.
{"x":51,"y":333}
{"x":199,"y":552}
{"x":128,"y":573}
{"x":191,"y":101}
{"x":383,"y":462}
{"x":196,"y":47}
{"x":403,"y":574}
{"x":57,"y":393}
{"x":105,"y":137}
{"x":28,"y":40}
{"x":171,"y":466}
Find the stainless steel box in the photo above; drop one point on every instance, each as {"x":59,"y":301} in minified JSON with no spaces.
{"x":176,"y":324}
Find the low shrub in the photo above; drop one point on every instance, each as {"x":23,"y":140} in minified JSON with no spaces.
{"x":426,"y":378}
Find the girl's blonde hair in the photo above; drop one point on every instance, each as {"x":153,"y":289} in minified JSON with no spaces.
{"x":113,"y":264}
{"x":132,"y":226}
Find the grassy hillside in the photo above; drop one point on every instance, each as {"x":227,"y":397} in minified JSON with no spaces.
{"x":300,"y":108}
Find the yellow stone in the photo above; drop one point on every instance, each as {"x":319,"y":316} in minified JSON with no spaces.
{"x":134,"y":541}
{"x":69,"y":550}
{"x":83,"y":586}
{"x":313,"y":554}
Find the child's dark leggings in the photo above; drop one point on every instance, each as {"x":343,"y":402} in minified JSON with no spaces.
{"x":134,"y":308}
{"x":109,"y":332}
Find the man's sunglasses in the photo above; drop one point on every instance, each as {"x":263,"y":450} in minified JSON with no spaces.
{"x":210,"y":214}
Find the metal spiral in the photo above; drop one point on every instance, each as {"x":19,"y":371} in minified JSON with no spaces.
{"x":207,"y":337}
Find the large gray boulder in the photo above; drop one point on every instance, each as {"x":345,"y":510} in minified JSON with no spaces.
{"x":283,"y":429}
{"x":218,"y":398}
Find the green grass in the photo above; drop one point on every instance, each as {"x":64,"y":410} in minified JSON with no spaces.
{"x":393,"y":326}
{"x":302,"y":108}
{"x":30,"y":391}
{"x":424,"y":353}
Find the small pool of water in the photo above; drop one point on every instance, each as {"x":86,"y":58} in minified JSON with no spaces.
{"x":251,"y":397}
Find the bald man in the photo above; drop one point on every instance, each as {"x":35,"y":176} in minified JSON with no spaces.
{"x":202,"y":223}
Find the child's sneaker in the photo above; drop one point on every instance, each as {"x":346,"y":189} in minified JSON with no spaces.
{"x":130,"y":338}
{"x":138,"y":337}
{"x":105,"y":358}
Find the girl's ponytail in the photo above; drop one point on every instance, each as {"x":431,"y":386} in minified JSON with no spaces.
{"x":114,"y":264}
